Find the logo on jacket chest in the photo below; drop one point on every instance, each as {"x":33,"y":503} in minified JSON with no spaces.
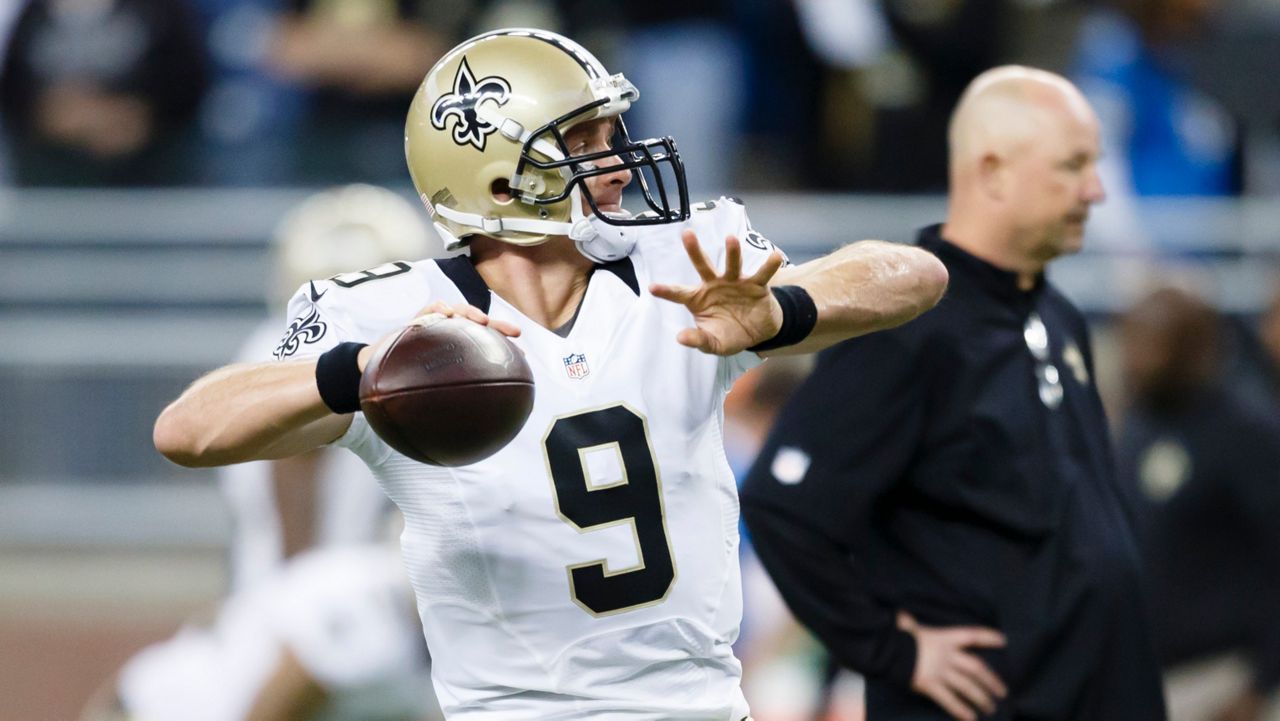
{"x":1074,"y":360}
{"x":575,"y":366}
{"x":1163,"y":469}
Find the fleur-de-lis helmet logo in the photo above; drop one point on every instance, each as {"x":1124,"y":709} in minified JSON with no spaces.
{"x":461,"y":104}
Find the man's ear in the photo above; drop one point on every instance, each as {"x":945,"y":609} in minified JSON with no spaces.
{"x":993,"y":176}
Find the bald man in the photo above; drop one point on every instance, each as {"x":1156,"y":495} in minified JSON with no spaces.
{"x":938,"y":502}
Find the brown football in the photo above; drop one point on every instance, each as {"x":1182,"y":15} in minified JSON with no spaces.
{"x":447,"y":391}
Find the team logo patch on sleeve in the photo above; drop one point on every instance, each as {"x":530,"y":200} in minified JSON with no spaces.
{"x":790,"y":465}
{"x":755,"y":240}
{"x":304,"y":329}
{"x":575,"y":365}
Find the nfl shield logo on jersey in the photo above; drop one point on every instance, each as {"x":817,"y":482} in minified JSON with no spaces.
{"x":575,"y":364}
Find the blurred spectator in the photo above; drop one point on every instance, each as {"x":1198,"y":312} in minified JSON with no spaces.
{"x":361,"y":60}
{"x":942,"y":45}
{"x":780,"y":138}
{"x":101,"y":92}
{"x":326,"y":497}
{"x":1161,"y":135}
{"x":1202,"y":464}
{"x":685,"y":55}
{"x":314,"y":91}
{"x":847,"y":34}
{"x":8,"y":15}
{"x":249,"y":115}
{"x":688,"y":58}
{"x":893,"y":71}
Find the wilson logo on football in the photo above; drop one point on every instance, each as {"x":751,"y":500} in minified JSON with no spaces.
{"x":461,"y":104}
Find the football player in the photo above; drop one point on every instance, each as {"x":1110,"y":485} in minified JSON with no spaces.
{"x":331,"y":634}
{"x":588,"y":569}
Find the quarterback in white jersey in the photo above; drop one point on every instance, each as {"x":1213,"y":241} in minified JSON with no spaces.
{"x":596,"y":537}
{"x":589,"y":569}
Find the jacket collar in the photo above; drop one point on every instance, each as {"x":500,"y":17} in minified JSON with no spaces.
{"x":998,"y":281}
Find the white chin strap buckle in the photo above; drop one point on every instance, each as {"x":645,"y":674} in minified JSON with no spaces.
{"x":583,"y":231}
{"x":602,"y":242}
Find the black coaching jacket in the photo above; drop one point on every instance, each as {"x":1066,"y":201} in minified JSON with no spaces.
{"x":929,"y":468}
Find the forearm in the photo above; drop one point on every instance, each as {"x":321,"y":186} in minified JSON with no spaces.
{"x":247,"y":412}
{"x":824,"y":591}
{"x":865,"y":287}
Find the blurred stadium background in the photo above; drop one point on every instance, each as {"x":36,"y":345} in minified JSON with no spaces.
{"x":151,"y":147}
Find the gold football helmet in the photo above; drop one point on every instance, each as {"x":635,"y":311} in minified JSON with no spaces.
{"x":485,"y":146}
{"x":344,"y":229}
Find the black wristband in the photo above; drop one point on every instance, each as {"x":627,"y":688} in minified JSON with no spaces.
{"x":799,"y":316}
{"x":338,"y":377}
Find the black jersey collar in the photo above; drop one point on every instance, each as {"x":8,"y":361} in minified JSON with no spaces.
{"x":991,"y":277}
{"x":463,"y":274}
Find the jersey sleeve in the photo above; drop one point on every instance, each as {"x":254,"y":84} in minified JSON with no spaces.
{"x":361,"y":440}
{"x":316,"y":324}
{"x":725,"y":217}
{"x":360,"y":307}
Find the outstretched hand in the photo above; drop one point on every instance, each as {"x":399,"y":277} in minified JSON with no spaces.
{"x":731,"y":313}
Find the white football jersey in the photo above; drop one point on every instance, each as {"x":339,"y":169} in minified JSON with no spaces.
{"x":589,"y":569}
{"x":351,"y":508}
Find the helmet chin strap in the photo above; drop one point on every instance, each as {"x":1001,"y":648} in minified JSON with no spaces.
{"x":595,"y":238}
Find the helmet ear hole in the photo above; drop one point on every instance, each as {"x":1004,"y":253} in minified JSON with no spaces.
{"x":500,"y":188}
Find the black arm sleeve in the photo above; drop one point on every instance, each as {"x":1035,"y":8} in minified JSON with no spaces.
{"x":844,"y":439}
{"x":812,"y":575}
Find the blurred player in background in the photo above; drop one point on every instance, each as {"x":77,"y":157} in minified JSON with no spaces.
{"x":937,"y":502}
{"x":588,"y":569}
{"x":331,"y":635}
{"x":325,"y":633}
{"x":281,"y":507}
{"x":1201,"y":463}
